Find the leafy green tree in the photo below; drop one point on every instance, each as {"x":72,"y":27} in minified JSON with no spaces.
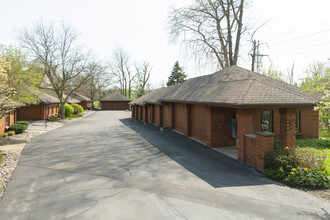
{"x":177,"y":76}
{"x":274,"y":73}
{"x":318,"y":80}
{"x":6,"y":92}
{"x":24,"y":76}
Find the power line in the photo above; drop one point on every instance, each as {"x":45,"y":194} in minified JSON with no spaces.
{"x":297,"y":38}
{"x":314,"y":45}
{"x":303,"y":28}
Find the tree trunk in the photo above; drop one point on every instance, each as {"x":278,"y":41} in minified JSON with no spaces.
{"x":93,"y":103}
{"x":62,"y":110}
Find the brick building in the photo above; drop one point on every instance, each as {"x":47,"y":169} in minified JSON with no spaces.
{"x":115,"y":101}
{"x":8,"y":118}
{"x":83,"y":100}
{"x":226,"y":109}
{"x":48,"y":106}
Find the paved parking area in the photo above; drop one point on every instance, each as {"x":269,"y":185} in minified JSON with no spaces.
{"x":108,"y":166}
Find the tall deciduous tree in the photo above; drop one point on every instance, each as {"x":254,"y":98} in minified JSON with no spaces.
{"x":24,"y":76}
{"x":61,"y":56}
{"x":121,"y":68}
{"x":6,"y":92}
{"x":212,"y":28}
{"x":318,"y":80}
{"x":143,"y":74}
{"x":99,"y":80}
{"x":177,"y":75}
{"x":274,"y":73}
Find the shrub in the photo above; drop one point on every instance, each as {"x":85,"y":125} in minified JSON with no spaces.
{"x":302,"y":170}
{"x":17,"y":128}
{"x":25,"y":124}
{"x":280,"y":159}
{"x":68,"y":109}
{"x":52,"y":118}
{"x":11,"y":133}
{"x":4,"y":135}
{"x":77,"y":108}
{"x":324,"y":132}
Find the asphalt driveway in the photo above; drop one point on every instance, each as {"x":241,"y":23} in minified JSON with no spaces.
{"x":108,"y":166}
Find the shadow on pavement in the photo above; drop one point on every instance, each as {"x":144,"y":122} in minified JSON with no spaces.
{"x":215,"y":168}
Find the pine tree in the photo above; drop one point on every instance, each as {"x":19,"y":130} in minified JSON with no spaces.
{"x":177,"y":75}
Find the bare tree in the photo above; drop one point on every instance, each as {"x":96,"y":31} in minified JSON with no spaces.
{"x":62,"y":58}
{"x":121,"y":68}
{"x":99,"y":80}
{"x":212,"y":28}
{"x":143,"y":75}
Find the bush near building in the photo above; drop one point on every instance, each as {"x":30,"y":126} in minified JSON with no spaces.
{"x":307,"y":168}
{"x":77,"y":109}
{"x":19,"y":127}
{"x":68,"y":109}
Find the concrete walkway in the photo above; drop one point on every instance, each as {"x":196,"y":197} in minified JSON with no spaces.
{"x":108,"y":166}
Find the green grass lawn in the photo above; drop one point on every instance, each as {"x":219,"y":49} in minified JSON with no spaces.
{"x":319,"y":147}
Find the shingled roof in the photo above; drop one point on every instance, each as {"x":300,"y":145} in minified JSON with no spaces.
{"x":115,"y":97}
{"x":44,"y":98}
{"x":232,"y":86}
{"x":80,"y":97}
{"x":70,"y":100}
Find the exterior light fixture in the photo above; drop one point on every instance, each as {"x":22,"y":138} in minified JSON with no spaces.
{"x":264,"y":125}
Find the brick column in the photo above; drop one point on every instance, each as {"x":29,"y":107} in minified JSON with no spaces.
{"x":171,"y":115}
{"x":288,"y":128}
{"x":188,"y":120}
{"x":42,"y":112}
{"x":145,"y":113}
{"x":264,"y":145}
{"x":209,"y":127}
{"x":244,"y":126}
{"x":133,"y":112}
{"x":161,"y":116}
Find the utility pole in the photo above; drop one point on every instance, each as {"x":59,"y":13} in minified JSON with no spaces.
{"x":256,"y":56}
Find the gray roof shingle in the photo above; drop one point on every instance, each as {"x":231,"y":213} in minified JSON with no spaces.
{"x":115,"y":96}
{"x":79,"y":97}
{"x":232,"y":86}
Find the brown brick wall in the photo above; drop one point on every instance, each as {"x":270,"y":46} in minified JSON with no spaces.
{"x":200,"y":123}
{"x":244,"y":126}
{"x":165,"y":115}
{"x":309,"y":123}
{"x":37,"y":112}
{"x":220,"y":132}
{"x":2,"y":125}
{"x":150,"y":114}
{"x":144,"y":112}
{"x":33,"y":112}
{"x":181,"y":118}
{"x":3,"y":121}
{"x":250,"y":150}
{"x":85,"y":105}
{"x":157,"y":116}
{"x":108,"y":105}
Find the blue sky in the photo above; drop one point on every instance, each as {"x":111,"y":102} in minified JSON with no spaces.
{"x":297,"y":30}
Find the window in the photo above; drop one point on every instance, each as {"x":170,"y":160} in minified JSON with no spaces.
{"x":269,"y":116}
{"x":297,"y":121}
{"x":7,"y":119}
